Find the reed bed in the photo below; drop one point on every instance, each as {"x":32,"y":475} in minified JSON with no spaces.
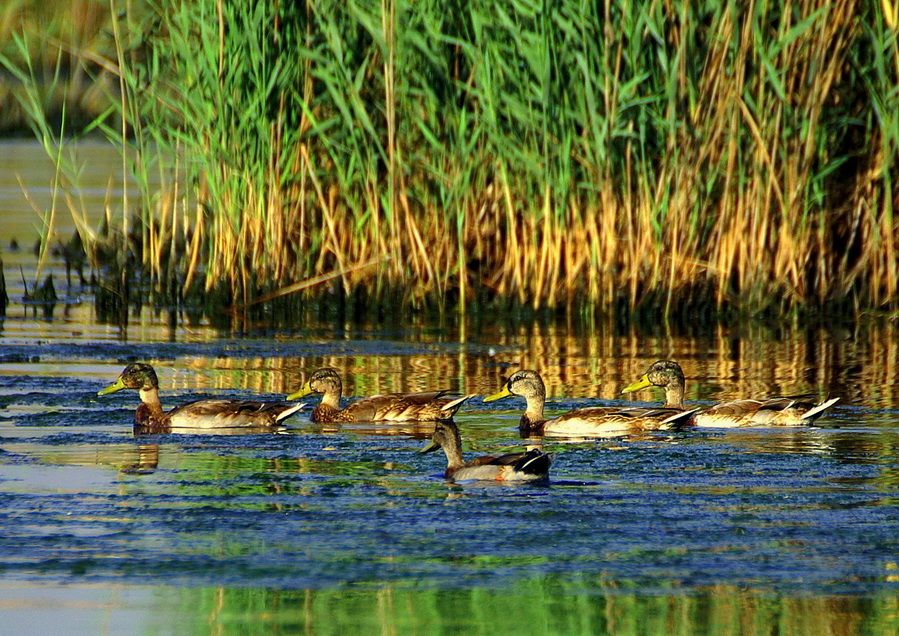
{"x":64,"y":44}
{"x":668,"y":156}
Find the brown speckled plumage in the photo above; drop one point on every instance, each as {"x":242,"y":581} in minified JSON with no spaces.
{"x":428,"y":406}
{"x":597,"y":421}
{"x":200,"y":414}
{"x":777,"y":411}
{"x":531,"y":465}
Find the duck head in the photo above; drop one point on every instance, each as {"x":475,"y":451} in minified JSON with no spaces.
{"x":138,"y":376}
{"x":666,"y":374}
{"x":326,"y":381}
{"x":526,"y":384}
{"x":662,"y":373}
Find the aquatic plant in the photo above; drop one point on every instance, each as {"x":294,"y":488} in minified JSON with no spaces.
{"x":680,"y":156}
{"x":67,"y":44}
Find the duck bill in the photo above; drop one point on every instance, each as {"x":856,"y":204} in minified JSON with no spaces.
{"x":642,"y":383}
{"x":118,"y":385}
{"x":502,"y":393}
{"x":306,"y":390}
{"x":430,"y":447}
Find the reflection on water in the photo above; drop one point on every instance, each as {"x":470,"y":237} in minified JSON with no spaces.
{"x":531,"y":606}
{"x":863,"y":370}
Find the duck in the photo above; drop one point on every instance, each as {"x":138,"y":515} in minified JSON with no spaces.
{"x":200,"y":414}
{"x":528,"y":466}
{"x":586,"y":422}
{"x":776,"y":411}
{"x":428,"y":406}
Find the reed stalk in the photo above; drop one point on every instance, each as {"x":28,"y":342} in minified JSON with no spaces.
{"x":676,"y":156}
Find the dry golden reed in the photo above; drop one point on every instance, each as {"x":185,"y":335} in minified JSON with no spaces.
{"x":669,"y":155}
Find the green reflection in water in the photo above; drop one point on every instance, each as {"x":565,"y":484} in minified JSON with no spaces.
{"x":546,"y":605}
{"x":534,"y":606}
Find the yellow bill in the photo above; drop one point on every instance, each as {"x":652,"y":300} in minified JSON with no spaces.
{"x":118,"y":385}
{"x":306,"y":390}
{"x":642,"y":383}
{"x":502,"y":393}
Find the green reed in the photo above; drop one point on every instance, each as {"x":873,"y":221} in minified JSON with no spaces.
{"x":65,"y":39}
{"x":673,"y":155}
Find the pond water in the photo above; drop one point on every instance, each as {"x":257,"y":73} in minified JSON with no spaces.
{"x":327,"y":529}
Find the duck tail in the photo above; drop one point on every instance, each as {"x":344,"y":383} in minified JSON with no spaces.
{"x":678,"y":419}
{"x":453,"y":405}
{"x":816,"y":412}
{"x":288,"y":412}
{"x":535,"y":462}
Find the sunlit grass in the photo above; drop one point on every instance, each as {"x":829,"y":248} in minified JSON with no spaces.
{"x":677,"y":156}
{"x":67,"y":40}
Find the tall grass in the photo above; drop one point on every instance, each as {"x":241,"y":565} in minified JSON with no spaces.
{"x":664,"y":154}
{"x":67,"y":42}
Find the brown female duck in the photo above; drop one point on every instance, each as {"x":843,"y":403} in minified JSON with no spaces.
{"x":532,"y":465}
{"x":429,"y":406}
{"x":777,"y":411}
{"x":594,"y":421}
{"x":201,"y":414}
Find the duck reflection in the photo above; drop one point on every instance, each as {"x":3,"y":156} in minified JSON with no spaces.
{"x":147,"y":461}
{"x":417,"y":430}
{"x":143,"y":432}
{"x":849,"y":447}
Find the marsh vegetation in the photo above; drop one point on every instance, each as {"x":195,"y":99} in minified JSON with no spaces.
{"x":688,"y":155}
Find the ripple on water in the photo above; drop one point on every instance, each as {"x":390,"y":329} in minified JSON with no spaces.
{"x":703,"y":517}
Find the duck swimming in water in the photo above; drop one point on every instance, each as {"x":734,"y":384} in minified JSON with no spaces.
{"x":200,"y":414}
{"x":595,"y":421}
{"x":531,"y":465}
{"x":777,"y":411}
{"x":430,"y":406}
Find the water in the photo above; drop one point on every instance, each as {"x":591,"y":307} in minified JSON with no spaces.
{"x":333,"y":529}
